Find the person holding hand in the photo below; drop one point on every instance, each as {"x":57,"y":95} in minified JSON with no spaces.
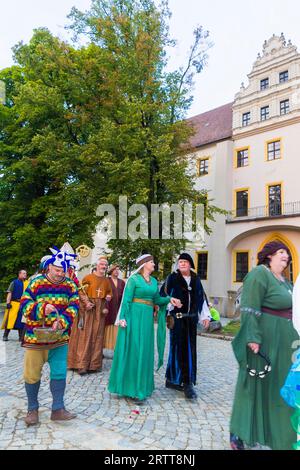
{"x":132,"y":372}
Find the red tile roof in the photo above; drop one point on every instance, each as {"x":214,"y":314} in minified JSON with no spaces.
{"x":212,"y":126}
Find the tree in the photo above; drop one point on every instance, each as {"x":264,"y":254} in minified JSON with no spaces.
{"x":83,"y":125}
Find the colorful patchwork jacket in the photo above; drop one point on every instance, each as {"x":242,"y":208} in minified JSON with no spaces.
{"x":41,"y":292}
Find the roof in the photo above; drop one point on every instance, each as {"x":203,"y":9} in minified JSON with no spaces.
{"x":212,"y":126}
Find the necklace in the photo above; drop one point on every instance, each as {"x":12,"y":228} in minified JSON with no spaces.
{"x":148,"y":281}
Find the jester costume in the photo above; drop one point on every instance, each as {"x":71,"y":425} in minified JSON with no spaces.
{"x":41,"y":292}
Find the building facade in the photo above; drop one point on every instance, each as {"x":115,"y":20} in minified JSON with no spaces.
{"x":247,"y":158}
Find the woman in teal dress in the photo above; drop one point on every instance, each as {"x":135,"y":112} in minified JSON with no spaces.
{"x":132,"y":372}
{"x":259,"y":413}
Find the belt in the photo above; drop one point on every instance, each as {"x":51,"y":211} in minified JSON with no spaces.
{"x":142,"y":301}
{"x":278,"y":313}
{"x":184,"y":315}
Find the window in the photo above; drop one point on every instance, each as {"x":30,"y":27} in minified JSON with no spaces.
{"x":274,"y":150}
{"x":264,"y":113}
{"x":242,"y":157}
{"x":202,"y":265}
{"x":264,"y":84}
{"x":246,"y":119}
{"x":274,"y":199}
{"x":203,"y":167}
{"x":242,"y":203}
{"x":284,"y":107}
{"x":241,"y":265}
{"x":283,"y":76}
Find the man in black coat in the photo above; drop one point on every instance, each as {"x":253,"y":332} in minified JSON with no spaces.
{"x":184,"y":284}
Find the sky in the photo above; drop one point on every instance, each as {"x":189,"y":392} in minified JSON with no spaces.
{"x":238,"y":29}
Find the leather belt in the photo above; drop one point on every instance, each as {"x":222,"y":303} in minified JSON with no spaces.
{"x":142,"y":301}
{"x":288,"y":313}
{"x":179,"y":315}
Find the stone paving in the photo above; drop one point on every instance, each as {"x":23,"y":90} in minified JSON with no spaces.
{"x":166,"y":421}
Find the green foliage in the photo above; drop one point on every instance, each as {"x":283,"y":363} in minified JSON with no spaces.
{"x":83,"y":125}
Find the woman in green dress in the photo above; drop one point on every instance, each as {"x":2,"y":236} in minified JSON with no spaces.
{"x":132,"y":372}
{"x":259,"y":414}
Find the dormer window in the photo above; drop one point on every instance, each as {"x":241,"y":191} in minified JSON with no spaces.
{"x":283,"y":76}
{"x":264,"y":84}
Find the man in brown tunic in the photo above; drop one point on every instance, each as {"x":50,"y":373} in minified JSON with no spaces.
{"x":86,"y":342}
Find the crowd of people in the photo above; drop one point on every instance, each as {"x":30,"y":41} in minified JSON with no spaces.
{"x":73,"y":324}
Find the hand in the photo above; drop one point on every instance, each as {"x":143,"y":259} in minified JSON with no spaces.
{"x":8,"y":306}
{"x":89,"y":305}
{"x":122,"y":323}
{"x":205,"y":324}
{"x":49,"y":309}
{"x":108,"y":298}
{"x":254,"y":347}
{"x":176,"y":302}
{"x":155,"y":312}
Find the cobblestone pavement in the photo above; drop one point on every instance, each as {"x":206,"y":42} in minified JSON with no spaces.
{"x":166,"y":421}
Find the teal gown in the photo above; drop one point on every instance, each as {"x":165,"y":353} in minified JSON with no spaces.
{"x":132,"y":372}
{"x":259,"y":413}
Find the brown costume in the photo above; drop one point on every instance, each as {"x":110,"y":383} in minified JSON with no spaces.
{"x":110,"y":334}
{"x":86,"y":342}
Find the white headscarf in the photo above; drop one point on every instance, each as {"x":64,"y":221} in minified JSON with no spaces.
{"x":141,"y":264}
{"x":296,"y":305}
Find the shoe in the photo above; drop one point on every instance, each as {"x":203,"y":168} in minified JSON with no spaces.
{"x":5,"y":338}
{"x":62,"y":415}
{"x":32,"y":418}
{"x":236,"y":443}
{"x":189,"y":391}
{"x":174,"y":386}
{"x":82,"y":371}
{"x":94,"y":371}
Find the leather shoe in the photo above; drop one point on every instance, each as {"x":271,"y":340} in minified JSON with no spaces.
{"x":174,"y":386}
{"x":82,"y":371}
{"x":189,"y":391}
{"x":32,"y":418}
{"x":62,"y":415}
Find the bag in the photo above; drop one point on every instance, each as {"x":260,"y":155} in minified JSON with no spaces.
{"x":170,"y":321}
{"x":45,"y":334}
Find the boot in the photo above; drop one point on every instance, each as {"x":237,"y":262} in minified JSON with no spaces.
{"x":5,"y":335}
{"x":62,"y":415}
{"x":32,"y":418}
{"x":189,"y":391}
{"x":174,"y":386}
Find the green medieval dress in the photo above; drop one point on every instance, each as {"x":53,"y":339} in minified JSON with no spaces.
{"x":259,"y":413}
{"x":132,"y":372}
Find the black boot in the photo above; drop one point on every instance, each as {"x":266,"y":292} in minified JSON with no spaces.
{"x":189,"y":391}
{"x":5,"y":335}
{"x":174,"y":386}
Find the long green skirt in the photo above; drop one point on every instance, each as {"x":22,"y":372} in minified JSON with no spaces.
{"x":259,"y":414}
{"x":132,"y":372}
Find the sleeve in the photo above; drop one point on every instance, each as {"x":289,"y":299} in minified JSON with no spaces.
{"x":10,"y":288}
{"x":33,"y":311}
{"x":127,"y":299}
{"x":253,"y":294}
{"x":68,"y":316}
{"x":205,"y":312}
{"x":109,"y":289}
{"x":159,"y":300}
